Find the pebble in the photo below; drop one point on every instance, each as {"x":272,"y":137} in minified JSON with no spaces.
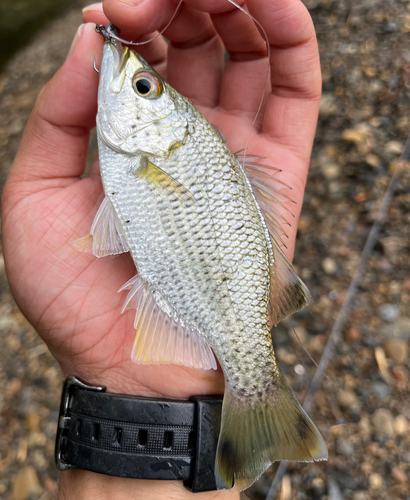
{"x":333,"y":490}
{"x":364,"y":425}
{"x":8,"y":323}
{"x":352,"y":334}
{"x":318,"y":486}
{"x":330,"y":170}
{"x":397,"y":350}
{"x":344,"y":447}
{"x":25,"y":484}
{"x":329,"y":265}
{"x":393,"y":147}
{"x":400,"y":330}
{"x":375,"y":481}
{"x":359,"y":135}
{"x":383,"y":422}
{"x":399,"y":475}
{"x":360,"y":495}
{"x":401,"y":425}
{"x":381,"y":389}
{"x":328,"y":105}
{"x":23,"y":402}
{"x":389,"y":312}
{"x":33,"y":422}
{"x":347,"y":398}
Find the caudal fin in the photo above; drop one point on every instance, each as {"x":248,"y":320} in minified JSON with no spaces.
{"x":254,"y":435}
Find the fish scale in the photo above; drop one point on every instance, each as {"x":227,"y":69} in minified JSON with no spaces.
{"x":209,"y":273}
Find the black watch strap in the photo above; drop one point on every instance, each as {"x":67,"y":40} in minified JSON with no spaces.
{"x":136,"y":437}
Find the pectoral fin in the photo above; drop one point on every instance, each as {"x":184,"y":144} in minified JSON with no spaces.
{"x":106,"y":234}
{"x":160,"y":179}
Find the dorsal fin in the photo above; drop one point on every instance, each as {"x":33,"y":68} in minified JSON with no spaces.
{"x":268,"y":193}
{"x":288,"y":293}
{"x":159,"y":338}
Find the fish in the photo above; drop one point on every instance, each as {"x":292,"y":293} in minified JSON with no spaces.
{"x":204,"y":232}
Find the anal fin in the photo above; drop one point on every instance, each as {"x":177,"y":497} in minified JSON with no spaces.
{"x":158,"y":337}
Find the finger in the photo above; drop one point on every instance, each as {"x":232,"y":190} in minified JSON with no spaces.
{"x":140,"y":16}
{"x":154,"y":52}
{"x":214,"y":6}
{"x":292,"y":108}
{"x":195,"y":57}
{"x":245,"y":76}
{"x":195,"y":50}
{"x":55,"y":142}
{"x":94,"y":13}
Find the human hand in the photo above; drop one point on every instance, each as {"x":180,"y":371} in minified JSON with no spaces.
{"x":70,"y":297}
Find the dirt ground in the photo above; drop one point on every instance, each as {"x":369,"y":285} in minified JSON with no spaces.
{"x":363,"y":407}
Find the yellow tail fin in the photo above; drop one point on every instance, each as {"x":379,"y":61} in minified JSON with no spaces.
{"x":256,"y":434}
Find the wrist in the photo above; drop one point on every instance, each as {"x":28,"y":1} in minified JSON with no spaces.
{"x":85,"y":485}
{"x":164,"y":380}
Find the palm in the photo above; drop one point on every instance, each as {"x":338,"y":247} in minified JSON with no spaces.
{"x":70,"y":297}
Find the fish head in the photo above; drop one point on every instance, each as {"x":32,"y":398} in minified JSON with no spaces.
{"x":138,"y":112}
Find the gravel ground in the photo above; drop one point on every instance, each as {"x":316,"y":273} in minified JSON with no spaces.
{"x":363,"y":407}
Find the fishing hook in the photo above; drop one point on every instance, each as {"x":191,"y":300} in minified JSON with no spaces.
{"x":95,"y":67}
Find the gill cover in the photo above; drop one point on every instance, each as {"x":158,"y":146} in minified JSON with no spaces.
{"x":138,"y":112}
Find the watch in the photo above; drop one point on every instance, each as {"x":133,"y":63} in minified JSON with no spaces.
{"x":136,"y":437}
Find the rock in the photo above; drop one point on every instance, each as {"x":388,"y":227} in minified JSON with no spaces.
{"x":383,"y":422}
{"x":344,"y":447}
{"x":401,"y":425}
{"x":329,"y":265}
{"x":285,"y":356}
{"x":399,"y":330}
{"x":393,"y":147}
{"x":399,"y":475}
{"x":23,"y":402}
{"x":352,"y":334}
{"x":390,"y":27}
{"x":327,"y":105}
{"x":330,"y":170}
{"x":318,"y":487}
{"x":397,"y":350}
{"x":333,"y":490}
{"x":360,"y":495}
{"x":375,"y":481}
{"x":373,"y":160}
{"x":8,"y":323}
{"x":364,"y":425}
{"x":381,"y":389}
{"x":393,"y":246}
{"x":25,"y":484}
{"x":389,"y":312}
{"x":347,"y":398}
{"x":33,"y":422}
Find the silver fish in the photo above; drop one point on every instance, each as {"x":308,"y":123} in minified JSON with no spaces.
{"x":210,"y":269}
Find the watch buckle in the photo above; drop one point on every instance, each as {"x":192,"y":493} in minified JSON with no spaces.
{"x":70,"y":384}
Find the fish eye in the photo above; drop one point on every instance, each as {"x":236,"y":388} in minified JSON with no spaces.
{"x":146,"y":85}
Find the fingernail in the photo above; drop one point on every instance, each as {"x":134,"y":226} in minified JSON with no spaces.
{"x":94,"y":6}
{"x":76,"y":39}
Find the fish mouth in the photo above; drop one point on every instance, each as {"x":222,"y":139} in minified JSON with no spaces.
{"x":111,"y":36}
